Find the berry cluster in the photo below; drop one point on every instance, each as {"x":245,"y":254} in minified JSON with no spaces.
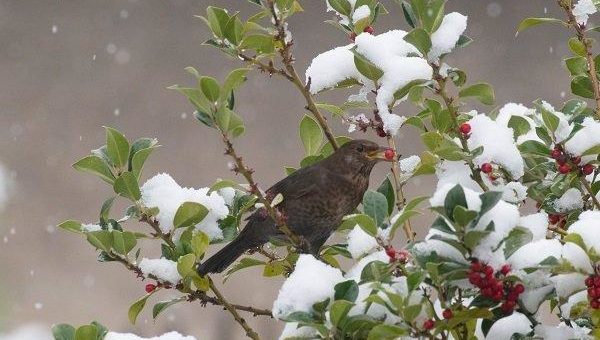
{"x":396,"y":255}
{"x":565,"y":163}
{"x":150,"y":287}
{"x":492,"y":286}
{"x":593,"y":290}
{"x":368,"y":29}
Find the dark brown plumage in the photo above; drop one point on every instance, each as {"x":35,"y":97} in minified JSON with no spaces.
{"x":315,"y":199}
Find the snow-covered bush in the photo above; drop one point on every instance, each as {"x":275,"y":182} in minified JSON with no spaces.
{"x":490,"y":266}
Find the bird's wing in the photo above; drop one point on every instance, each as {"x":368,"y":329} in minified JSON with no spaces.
{"x":300,"y":183}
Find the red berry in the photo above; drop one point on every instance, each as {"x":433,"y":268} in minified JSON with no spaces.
{"x":150,"y":287}
{"x":508,"y":306}
{"x":589,"y":281}
{"x":576,"y":160}
{"x":402,"y":256}
{"x":596,"y":281}
{"x":369,"y":29}
{"x":391,"y":252}
{"x":475,"y":279}
{"x":476,"y":266}
{"x":554,"y":218}
{"x":555,"y":153}
{"x":486,"y":168}
{"x":498,"y":296}
{"x":505,"y":269}
{"x":519,"y":288}
{"x":562,"y":159}
{"x":512,"y":296}
{"x":465,"y":128}
{"x":564,"y":169}
{"x":488,"y":270}
{"x":595,"y":304}
{"x":389,"y":154}
{"x":447,"y":313}
{"x":587,"y":169}
{"x":428,"y":324}
{"x":352,"y":36}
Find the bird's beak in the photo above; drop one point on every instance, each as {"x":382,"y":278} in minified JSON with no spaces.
{"x":382,"y":154}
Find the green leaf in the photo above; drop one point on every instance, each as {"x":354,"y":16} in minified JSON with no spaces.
{"x":454,"y":198}
{"x":375,"y":205}
{"x":347,"y":290}
{"x":86,"y":332}
{"x":117,"y":147}
{"x":530,"y":22}
{"x":364,"y":221}
{"x":163,"y":305}
{"x":341,"y":6}
{"x":210,"y":88}
{"x":261,"y":43}
{"x":71,"y":225}
{"x":232,"y":82}
{"x":366,"y":67}
{"x":482,"y":91}
{"x":594,"y":150}
{"x":339,"y":310}
{"x":311,"y":135}
{"x":199,"y":243}
{"x":138,"y":160}
{"x":375,"y":271}
{"x":409,"y":14}
{"x":127,"y":186}
{"x":473,"y":237}
{"x":420,"y":39}
{"x":387,"y":189}
{"x":577,"y":47}
{"x":138,"y":145}
{"x":217,"y":19}
{"x":242,"y":264}
{"x":189,"y":214}
{"x":274,"y":268}
{"x":233,"y":30}
{"x":533,"y":147}
{"x":582,"y":86}
{"x":405,"y":90}
{"x":221,"y":184}
{"x":387,"y":332}
{"x":136,"y":308}
{"x":63,"y":332}
{"x":97,"y":166}
{"x":576,"y":65}
{"x":517,"y":238}
{"x":519,"y":125}
{"x":489,"y":200}
{"x":123,"y":241}
{"x":101,"y":239}
{"x":551,"y":121}
{"x":185,"y":265}
{"x":462,"y":216}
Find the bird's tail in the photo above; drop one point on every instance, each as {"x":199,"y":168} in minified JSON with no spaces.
{"x":224,"y":257}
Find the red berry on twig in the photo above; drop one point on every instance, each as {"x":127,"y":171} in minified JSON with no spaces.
{"x":369,"y":29}
{"x":555,"y":153}
{"x":564,"y":169}
{"x":447,"y":314}
{"x":486,"y":168}
{"x":465,"y":128}
{"x":505,"y":269}
{"x":352,"y":36}
{"x":150,"y":287}
{"x":389,"y":154}
{"x":587,"y":169}
{"x":428,"y":324}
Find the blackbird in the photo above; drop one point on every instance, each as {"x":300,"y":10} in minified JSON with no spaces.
{"x":315,"y":199}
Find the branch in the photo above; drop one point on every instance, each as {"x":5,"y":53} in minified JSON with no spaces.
{"x":269,"y":68}
{"x":449,"y":101}
{"x":231,"y":309}
{"x":152,"y":222}
{"x":288,"y":62}
{"x":400,"y":199}
{"x":588,"y":188}
{"x":195,"y":295}
{"x":589,"y":56}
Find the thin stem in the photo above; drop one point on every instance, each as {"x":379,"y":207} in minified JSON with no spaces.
{"x":269,"y":68}
{"x":152,"y":222}
{"x":588,"y":188}
{"x":589,"y":56}
{"x":231,"y":309}
{"x":449,"y":102}
{"x":288,"y":62}
{"x":278,"y":217}
{"x":400,"y":199}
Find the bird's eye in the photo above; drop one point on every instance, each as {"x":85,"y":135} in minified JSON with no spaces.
{"x":360,"y":148}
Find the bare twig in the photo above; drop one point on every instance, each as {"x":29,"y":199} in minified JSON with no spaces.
{"x":152,"y":222}
{"x":204,"y":299}
{"x":269,"y":68}
{"x":588,"y":188}
{"x":288,"y":62}
{"x":231,"y":309}
{"x":400,"y":199}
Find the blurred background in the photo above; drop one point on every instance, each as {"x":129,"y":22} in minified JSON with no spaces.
{"x":69,"y":67}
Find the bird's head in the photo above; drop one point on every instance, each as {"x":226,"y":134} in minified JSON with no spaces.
{"x":361,"y":155}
